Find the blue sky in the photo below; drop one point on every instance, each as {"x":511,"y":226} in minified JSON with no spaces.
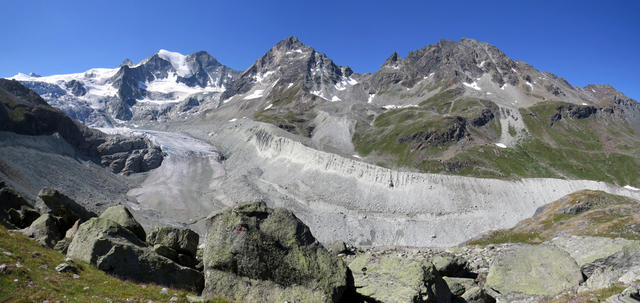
{"x":582,"y":41}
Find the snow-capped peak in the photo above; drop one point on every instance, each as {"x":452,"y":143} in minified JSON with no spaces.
{"x":178,"y":61}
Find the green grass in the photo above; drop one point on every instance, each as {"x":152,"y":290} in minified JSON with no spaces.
{"x":37,"y":279}
{"x":507,"y":236}
{"x":599,"y":295}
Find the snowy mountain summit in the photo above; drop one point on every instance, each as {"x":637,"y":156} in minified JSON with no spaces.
{"x":167,"y":84}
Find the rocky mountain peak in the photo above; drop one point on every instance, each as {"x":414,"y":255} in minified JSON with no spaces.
{"x":392,"y":61}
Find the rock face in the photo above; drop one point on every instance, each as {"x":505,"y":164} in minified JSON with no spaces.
{"x":15,"y":211}
{"x":121,"y":215}
{"x":621,"y":266}
{"x":45,"y":230}
{"x":272,"y":251}
{"x":533,"y":270}
{"x":118,"y":251}
{"x":403,"y":280}
{"x":181,"y":240}
{"x":63,"y":207}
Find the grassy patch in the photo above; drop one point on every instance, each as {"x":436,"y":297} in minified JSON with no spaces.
{"x":36,"y":280}
{"x":599,"y":295}
{"x":507,"y":236}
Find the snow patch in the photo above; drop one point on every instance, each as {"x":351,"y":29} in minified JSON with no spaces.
{"x":319,"y":94}
{"x":399,"y":106}
{"x":482,"y":63}
{"x":593,"y":90}
{"x":503,"y":86}
{"x":290,"y":85}
{"x":501,"y":145}
{"x":473,"y":85}
{"x":268,"y":106}
{"x":178,"y":61}
{"x":629,"y":187}
{"x":356,"y":156}
{"x":584,"y":103}
{"x":371,"y":96}
{"x":261,"y":77}
{"x":255,"y":94}
{"x":233,"y":120}
{"x":530,"y":85}
{"x":335,"y":98}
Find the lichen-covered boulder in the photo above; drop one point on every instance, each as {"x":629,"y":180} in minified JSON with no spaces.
{"x":121,"y":215}
{"x":45,"y":230}
{"x":389,"y":278}
{"x":182,"y":240}
{"x":117,"y":251}
{"x":63,"y":244}
{"x":63,"y":207}
{"x":257,"y":254}
{"x":15,"y":211}
{"x":534,"y":270}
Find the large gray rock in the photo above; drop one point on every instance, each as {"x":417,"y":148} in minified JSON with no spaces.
{"x":272,"y":252}
{"x":45,"y":230}
{"x":63,"y":207}
{"x":538,"y":270}
{"x":15,"y":211}
{"x":622,"y":266}
{"x":588,"y":249}
{"x":389,"y":278}
{"x":121,"y":215}
{"x":116,"y":250}
{"x":182,"y":240}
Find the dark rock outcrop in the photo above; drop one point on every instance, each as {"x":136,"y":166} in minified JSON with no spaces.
{"x":15,"y":211}
{"x":275,"y":253}
{"x":64,"y":208}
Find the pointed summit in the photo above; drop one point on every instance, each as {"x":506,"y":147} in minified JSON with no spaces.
{"x":289,"y":43}
{"x":393,"y":60}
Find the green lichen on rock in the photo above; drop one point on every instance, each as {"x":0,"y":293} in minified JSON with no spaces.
{"x":389,"y":278}
{"x":534,"y":270}
{"x":121,"y":215}
{"x":251,"y":244}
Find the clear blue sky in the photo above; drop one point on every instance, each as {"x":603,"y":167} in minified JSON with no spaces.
{"x":582,"y":41}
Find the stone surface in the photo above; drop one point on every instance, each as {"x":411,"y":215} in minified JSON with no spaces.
{"x":121,"y":215}
{"x":65,"y":267}
{"x":459,"y":286}
{"x":275,"y":253}
{"x":63,"y":207}
{"x":452,"y":266}
{"x":534,"y":270}
{"x":63,"y":244}
{"x":15,"y":211}
{"x":588,"y":249}
{"x":179,"y":239}
{"x":116,"y":250}
{"x":45,"y":230}
{"x":389,"y":278}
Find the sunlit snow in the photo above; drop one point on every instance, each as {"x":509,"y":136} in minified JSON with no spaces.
{"x":501,"y":145}
{"x":629,"y":187}
{"x":473,"y":85}
{"x":371,"y":96}
{"x":178,"y":61}
{"x":255,"y":94}
{"x":268,"y":106}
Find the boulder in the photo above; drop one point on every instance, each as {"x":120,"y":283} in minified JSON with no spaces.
{"x":182,"y":240}
{"x":622,"y":266}
{"x":588,"y":249}
{"x":121,"y":215}
{"x":533,"y":270}
{"x":45,"y":230}
{"x":63,"y":244}
{"x":15,"y":211}
{"x":389,"y":278}
{"x":63,"y":207}
{"x":459,"y":286}
{"x":118,"y":251}
{"x":452,"y":266}
{"x":475,"y":294}
{"x":257,"y":254}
